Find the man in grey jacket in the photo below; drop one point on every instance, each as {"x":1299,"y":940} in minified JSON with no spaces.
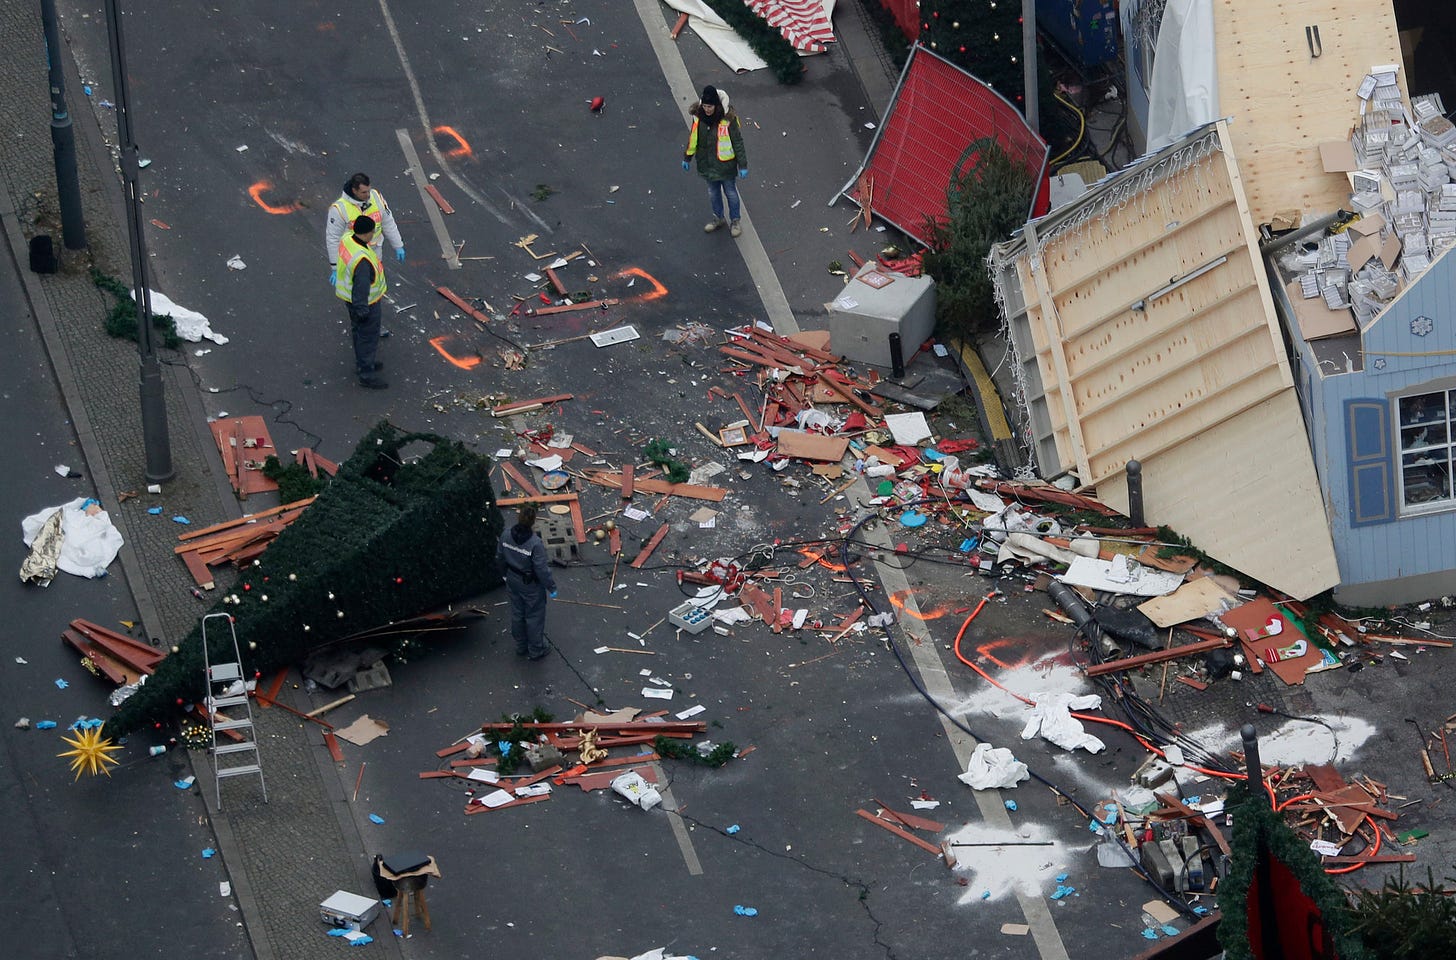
{"x":360,"y":199}
{"x":529,"y":582}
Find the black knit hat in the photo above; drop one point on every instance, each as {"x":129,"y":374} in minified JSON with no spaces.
{"x":710,"y":95}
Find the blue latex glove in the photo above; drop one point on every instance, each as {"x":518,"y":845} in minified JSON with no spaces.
{"x":332,"y":271}
{"x":685,"y":165}
{"x":399,"y":254}
{"x":743,"y":174}
{"x":552,"y":594}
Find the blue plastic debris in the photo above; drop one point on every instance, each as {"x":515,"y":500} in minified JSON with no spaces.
{"x":361,"y":941}
{"x":208,"y":853}
{"x":155,"y":511}
{"x":61,"y":683}
{"x":985,"y":894}
{"x":913,"y":518}
{"x":1201,"y":911}
{"x":743,"y":911}
{"x":1169,"y":930}
{"x":1149,"y":933}
{"x":182,"y":520}
{"x":969,"y":544}
{"x":375,"y":818}
{"x":504,"y":746}
{"x":1062,"y":877}
{"x":1063,"y":891}
{"x":932,"y":454}
{"x":733,"y":829}
{"x":184,"y":784}
{"x":1011,"y":805}
{"x":45,"y":724}
{"x":86,"y":87}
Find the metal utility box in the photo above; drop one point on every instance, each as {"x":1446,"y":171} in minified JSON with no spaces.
{"x":345,"y":909}
{"x":875,"y":304}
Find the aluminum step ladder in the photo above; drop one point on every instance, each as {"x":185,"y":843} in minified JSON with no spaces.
{"x":227,"y":690}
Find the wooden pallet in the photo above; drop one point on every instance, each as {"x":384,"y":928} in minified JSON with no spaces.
{"x":244,"y":443}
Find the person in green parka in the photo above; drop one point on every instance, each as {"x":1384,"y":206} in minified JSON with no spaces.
{"x":716,"y":141}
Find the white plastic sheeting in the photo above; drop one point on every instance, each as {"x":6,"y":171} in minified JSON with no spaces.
{"x":89,"y":540}
{"x":993,"y":768}
{"x":1183,"y":90}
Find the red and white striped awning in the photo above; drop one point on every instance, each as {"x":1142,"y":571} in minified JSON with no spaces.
{"x":804,"y":23}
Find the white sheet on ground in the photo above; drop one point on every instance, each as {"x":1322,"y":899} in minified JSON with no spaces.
{"x":1121,"y":575}
{"x":993,"y":768}
{"x":1183,"y":90}
{"x":732,"y":49}
{"x":89,"y":541}
{"x":191,"y":325}
{"x":1052,"y":719}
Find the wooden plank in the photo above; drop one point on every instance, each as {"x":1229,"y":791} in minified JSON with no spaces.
{"x":451,"y":750}
{"x":332,"y":742}
{"x":650,"y":546}
{"x":910,"y":819}
{"x":439,"y":198}
{"x":841,"y":386}
{"x":1157,"y":656}
{"x":474,"y":808}
{"x":1051,"y":323}
{"x":627,"y":472}
{"x":521,"y":480}
{"x":506,"y":409}
{"x":556,"y":283}
{"x":899,"y":832}
{"x":450,"y":295}
{"x":198,"y":570}
{"x":578,"y":525}
{"x":538,"y":498}
{"x":246,"y":519}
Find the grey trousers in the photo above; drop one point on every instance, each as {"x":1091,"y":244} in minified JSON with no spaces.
{"x":528,"y":616}
{"x":365,"y":330}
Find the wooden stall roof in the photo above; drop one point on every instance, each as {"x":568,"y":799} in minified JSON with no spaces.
{"x":1148,"y":314}
{"x":1284,"y":102}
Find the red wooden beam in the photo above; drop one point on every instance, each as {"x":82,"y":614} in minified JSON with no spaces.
{"x":650,"y":546}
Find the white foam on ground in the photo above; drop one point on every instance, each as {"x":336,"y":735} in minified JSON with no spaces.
{"x":1004,"y":870}
{"x":1046,"y":675}
{"x":1297,"y":741}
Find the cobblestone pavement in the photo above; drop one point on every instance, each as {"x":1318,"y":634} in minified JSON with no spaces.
{"x":287,"y":855}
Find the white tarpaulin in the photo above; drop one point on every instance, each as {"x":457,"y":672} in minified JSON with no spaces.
{"x":993,"y":768}
{"x":89,"y":541}
{"x":191,"y":325}
{"x":1183,"y":90}
{"x":732,"y":49}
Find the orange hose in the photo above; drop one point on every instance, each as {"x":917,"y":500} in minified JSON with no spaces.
{"x":1092,"y":718}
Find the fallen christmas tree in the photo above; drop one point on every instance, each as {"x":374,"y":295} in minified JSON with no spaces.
{"x":385,"y":541}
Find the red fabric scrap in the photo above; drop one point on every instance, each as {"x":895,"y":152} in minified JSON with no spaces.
{"x":958,"y":446}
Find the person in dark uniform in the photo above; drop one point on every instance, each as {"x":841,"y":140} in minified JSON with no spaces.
{"x":528,"y":579}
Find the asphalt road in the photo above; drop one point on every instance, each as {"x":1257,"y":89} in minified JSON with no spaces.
{"x":314,"y":93}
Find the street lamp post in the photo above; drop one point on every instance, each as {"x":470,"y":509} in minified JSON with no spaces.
{"x":155,"y":441}
{"x":63,"y":136}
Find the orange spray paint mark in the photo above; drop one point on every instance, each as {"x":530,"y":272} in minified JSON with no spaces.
{"x":460,"y":363}
{"x":657,"y":292}
{"x":899,"y":598}
{"x":463,"y":148}
{"x":985,"y":651}
{"x":819,"y":559}
{"x":256,"y":192}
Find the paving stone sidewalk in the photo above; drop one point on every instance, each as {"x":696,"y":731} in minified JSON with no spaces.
{"x":284,"y":856}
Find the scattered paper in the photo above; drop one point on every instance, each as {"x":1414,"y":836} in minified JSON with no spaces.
{"x":657,"y":693}
{"x":235,"y":262}
{"x":908,"y":428}
{"x":691,"y":712}
{"x":548,"y":464}
{"x":484,"y":775}
{"x":1015,"y":929}
{"x":632,"y":513}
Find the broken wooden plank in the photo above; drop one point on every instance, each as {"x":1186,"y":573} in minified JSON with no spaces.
{"x":627,"y":477}
{"x":506,"y":409}
{"x":453,"y":749}
{"x":332,"y":742}
{"x":650,"y":546}
{"x":555,"y":281}
{"x":198,"y":570}
{"x":450,"y":295}
{"x":578,"y":525}
{"x":522,"y":481}
{"x":910,"y":819}
{"x":899,"y":832}
{"x":246,"y":519}
{"x":1157,"y":656}
{"x":439,"y":199}
{"x":474,"y":808}
{"x":573,"y":307}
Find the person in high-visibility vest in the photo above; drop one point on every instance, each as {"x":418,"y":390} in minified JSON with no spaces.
{"x":716,"y":141}
{"x":359,"y":282}
{"x":360,"y":199}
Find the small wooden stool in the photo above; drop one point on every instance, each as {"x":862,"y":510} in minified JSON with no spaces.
{"x":409,"y":898}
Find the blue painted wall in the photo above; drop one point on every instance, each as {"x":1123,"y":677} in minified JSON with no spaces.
{"x":1350,"y":419}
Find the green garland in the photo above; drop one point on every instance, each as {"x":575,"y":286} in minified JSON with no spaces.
{"x":766,"y":41}
{"x":392,"y":536}
{"x":121,"y":322}
{"x":294,"y":481}
{"x":660,"y":453}
{"x":674,"y":749}
{"x":1253,"y":821}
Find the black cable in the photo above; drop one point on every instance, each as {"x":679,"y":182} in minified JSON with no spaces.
{"x":282,"y":417}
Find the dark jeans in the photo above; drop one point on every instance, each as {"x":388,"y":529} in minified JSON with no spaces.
{"x":366,"y":337}
{"x":528,"y":616}
{"x":717,"y":189}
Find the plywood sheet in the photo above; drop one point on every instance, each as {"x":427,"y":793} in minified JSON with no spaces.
{"x":1285,"y":102}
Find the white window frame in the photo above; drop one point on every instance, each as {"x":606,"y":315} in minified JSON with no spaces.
{"x":1447,"y":448}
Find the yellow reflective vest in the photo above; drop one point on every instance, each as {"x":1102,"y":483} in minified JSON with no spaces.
{"x":351,"y":251}
{"x":725,"y":142}
{"x":352,"y":209}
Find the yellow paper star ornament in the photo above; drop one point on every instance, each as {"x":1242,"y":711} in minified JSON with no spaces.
{"x":91,"y":752}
